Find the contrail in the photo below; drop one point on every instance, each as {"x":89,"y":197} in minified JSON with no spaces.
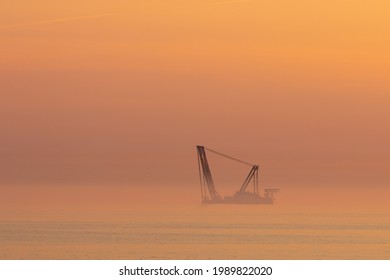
{"x":57,"y":20}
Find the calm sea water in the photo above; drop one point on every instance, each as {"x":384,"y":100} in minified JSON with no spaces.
{"x":200,"y":233}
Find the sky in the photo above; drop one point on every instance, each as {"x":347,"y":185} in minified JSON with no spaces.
{"x":121,"y":92}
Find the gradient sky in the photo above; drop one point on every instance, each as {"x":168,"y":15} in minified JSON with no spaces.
{"x":122,"y":91}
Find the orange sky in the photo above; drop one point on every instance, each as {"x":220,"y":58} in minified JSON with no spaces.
{"x":122,"y":91}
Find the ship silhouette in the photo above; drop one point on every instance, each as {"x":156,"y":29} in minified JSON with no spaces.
{"x":242,"y":196}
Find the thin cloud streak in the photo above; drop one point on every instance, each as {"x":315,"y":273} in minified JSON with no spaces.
{"x":228,"y":2}
{"x":57,"y":20}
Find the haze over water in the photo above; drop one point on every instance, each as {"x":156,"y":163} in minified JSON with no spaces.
{"x":123,"y":224}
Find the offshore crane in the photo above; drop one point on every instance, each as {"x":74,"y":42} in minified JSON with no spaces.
{"x":243,"y":195}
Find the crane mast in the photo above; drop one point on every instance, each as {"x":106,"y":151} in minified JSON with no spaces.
{"x":252,"y":176}
{"x":206,"y":178}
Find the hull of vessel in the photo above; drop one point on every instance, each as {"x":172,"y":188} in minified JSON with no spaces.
{"x":240,"y":200}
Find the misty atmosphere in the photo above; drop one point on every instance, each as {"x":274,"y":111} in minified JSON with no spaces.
{"x":102,"y":105}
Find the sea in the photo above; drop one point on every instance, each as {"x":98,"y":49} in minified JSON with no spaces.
{"x":195,"y":231}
